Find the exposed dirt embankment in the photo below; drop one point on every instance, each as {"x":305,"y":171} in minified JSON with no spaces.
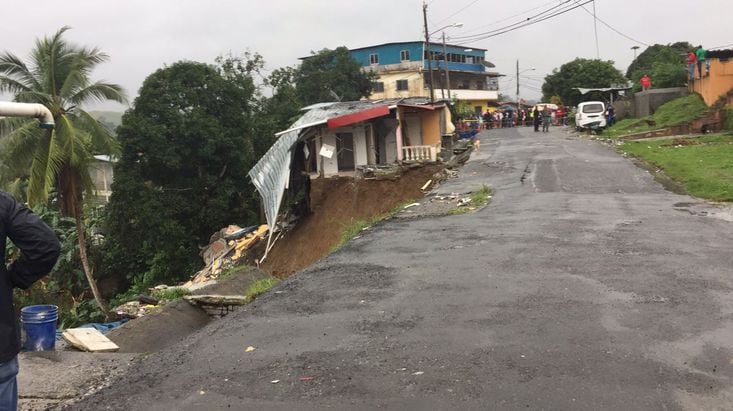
{"x":336,"y":204}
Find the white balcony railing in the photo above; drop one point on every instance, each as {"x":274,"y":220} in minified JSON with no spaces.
{"x":420,"y":153}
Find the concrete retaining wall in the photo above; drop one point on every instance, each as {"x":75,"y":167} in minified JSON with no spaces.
{"x":647,"y":102}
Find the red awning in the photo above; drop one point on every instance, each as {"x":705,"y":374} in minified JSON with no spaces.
{"x":357,"y":117}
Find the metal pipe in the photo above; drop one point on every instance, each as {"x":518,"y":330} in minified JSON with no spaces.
{"x":39,"y":111}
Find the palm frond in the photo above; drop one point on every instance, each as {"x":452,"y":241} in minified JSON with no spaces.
{"x":13,"y":67}
{"x":8,"y":124}
{"x":102,"y":139}
{"x":17,"y":149}
{"x":47,"y":163}
{"x":11,"y":85}
{"x":99,"y":92}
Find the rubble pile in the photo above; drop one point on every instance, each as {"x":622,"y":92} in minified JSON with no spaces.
{"x":226,"y":247}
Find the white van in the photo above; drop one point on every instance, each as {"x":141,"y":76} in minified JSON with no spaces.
{"x":590,"y":115}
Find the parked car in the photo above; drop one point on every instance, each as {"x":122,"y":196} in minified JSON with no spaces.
{"x":590,"y":115}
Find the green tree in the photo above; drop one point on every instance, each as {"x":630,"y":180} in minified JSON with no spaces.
{"x":670,"y":53}
{"x":186,"y":151}
{"x":280,"y":110}
{"x":665,"y":64}
{"x":582,"y":73}
{"x":330,"y":73}
{"x":56,"y":161}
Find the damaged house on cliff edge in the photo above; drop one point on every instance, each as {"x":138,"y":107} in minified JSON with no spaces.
{"x":344,"y":138}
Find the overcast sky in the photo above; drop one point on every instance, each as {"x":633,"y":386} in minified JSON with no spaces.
{"x":143,"y":35}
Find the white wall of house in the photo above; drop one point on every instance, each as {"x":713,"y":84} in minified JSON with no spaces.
{"x":360,"y":146}
{"x":330,"y":166}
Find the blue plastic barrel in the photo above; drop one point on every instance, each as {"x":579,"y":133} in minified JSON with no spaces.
{"x":39,"y":327}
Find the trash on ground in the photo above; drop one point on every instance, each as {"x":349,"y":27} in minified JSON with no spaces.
{"x":275,"y":381}
{"x":249,"y":349}
{"x":418,"y":373}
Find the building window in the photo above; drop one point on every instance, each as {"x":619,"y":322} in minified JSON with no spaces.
{"x":405,"y":55}
{"x":374,"y":59}
{"x":378,"y":87}
{"x":401,"y":85}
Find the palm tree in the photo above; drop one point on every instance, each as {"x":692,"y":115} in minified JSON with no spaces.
{"x":56,"y":161}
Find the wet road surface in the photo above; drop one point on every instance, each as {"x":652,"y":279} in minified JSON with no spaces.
{"x":583,"y":285}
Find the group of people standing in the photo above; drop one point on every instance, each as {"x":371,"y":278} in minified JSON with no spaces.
{"x":543,"y":117}
{"x":697,"y":58}
{"x":516,"y":118}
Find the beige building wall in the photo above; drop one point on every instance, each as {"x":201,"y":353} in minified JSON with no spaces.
{"x":717,"y":84}
{"x":431,"y":127}
{"x":415,"y":85}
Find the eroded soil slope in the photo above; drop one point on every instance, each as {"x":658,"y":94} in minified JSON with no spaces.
{"x":336,"y":204}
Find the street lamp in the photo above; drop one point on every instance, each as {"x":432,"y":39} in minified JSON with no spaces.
{"x":519,"y":104}
{"x":634,"y":48}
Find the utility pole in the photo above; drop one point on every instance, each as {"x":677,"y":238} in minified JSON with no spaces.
{"x":595,"y":27}
{"x":427,"y":48}
{"x":445,"y":61}
{"x":519,"y":105}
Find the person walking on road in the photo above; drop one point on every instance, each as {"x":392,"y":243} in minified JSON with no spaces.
{"x":536,"y":118}
{"x":39,"y":250}
{"x":546,"y":119}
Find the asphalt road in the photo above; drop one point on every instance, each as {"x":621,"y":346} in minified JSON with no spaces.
{"x":583,"y":285}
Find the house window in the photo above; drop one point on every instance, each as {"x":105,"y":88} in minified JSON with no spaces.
{"x":405,"y":55}
{"x":378,"y":87}
{"x":401,"y":85}
{"x":374,"y":58}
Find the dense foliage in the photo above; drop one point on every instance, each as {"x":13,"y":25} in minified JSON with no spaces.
{"x":56,"y":161}
{"x":583,"y":73}
{"x":665,"y":64}
{"x":331,"y":75}
{"x":186,"y":150}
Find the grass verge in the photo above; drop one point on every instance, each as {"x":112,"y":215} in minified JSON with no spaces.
{"x":701,"y":165}
{"x":260,"y":286}
{"x":352,"y":230}
{"x":678,"y":111}
{"x":171,"y":293}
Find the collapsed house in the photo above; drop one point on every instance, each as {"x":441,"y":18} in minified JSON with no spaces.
{"x":345,"y":139}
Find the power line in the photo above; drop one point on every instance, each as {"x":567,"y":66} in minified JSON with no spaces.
{"x":609,"y":26}
{"x":510,"y":17}
{"x":497,"y":33}
{"x":460,"y":10}
{"x":524,"y":21}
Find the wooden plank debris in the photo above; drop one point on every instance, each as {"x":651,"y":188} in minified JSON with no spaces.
{"x":89,"y":339}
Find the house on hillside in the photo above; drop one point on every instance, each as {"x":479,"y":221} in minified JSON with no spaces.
{"x":101,"y":172}
{"x":719,"y":81}
{"x":346,"y":139}
{"x":404,"y":71}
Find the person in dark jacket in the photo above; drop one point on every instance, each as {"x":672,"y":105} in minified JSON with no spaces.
{"x":537,"y":118}
{"x":39,"y":248}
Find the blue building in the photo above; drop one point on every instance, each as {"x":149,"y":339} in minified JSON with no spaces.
{"x":404,"y":70}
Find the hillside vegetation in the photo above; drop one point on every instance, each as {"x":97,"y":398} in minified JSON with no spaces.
{"x":678,"y":111}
